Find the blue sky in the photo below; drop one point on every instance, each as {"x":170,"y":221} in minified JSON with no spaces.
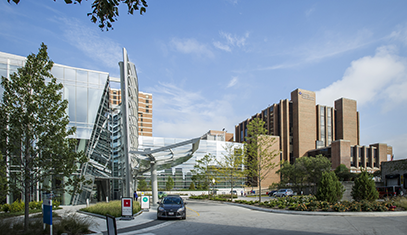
{"x":212,"y":64}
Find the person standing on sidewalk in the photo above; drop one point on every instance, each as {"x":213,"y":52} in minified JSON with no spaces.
{"x":135,"y":195}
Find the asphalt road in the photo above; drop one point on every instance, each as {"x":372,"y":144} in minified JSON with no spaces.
{"x":217,"y":218}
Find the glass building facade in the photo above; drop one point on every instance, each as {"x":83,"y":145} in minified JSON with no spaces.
{"x":100,"y":135}
{"x":182,"y":173}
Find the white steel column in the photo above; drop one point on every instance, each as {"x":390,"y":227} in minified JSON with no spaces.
{"x":154,"y":183}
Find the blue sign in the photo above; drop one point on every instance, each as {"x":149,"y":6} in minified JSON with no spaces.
{"x":47,"y":212}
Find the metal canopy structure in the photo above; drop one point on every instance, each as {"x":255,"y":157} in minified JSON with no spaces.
{"x":163,"y":158}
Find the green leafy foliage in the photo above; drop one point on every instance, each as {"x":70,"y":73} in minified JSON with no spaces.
{"x":230,"y":166}
{"x":17,"y":206}
{"x":343,"y":173}
{"x":35,"y":123}
{"x":3,"y":176}
{"x":204,"y":172}
{"x":192,"y":186}
{"x":259,"y":153}
{"x":142,"y":185}
{"x":112,"y":208}
{"x":364,"y":188}
{"x":306,"y":171}
{"x":105,"y":12}
{"x":169,"y":184}
{"x":329,"y":188}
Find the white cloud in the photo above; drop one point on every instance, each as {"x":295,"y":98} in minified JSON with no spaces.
{"x":380,"y":77}
{"x":231,"y":41}
{"x":334,"y":44}
{"x":191,"y":46}
{"x":399,"y":146}
{"x":88,"y":40}
{"x":400,"y":34}
{"x":222,"y":46}
{"x":187,"y":113}
{"x":232,"y":82}
{"x":309,"y":12}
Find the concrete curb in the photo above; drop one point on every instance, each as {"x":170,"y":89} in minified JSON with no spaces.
{"x":103,"y":216}
{"x":312,"y":213}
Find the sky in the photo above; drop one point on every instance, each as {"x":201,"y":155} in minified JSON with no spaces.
{"x":212,"y":64}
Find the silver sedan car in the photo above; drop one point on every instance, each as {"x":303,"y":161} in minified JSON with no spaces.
{"x":284,"y":193}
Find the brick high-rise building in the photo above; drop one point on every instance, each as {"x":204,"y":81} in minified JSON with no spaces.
{"x":145,"y":112}
{"x":307,"y":129}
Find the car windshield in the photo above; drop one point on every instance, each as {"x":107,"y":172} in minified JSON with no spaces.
{"x":281,"y":190}
{"x":172,"y":200}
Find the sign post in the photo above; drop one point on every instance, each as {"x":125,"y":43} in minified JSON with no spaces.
{"x":47,"y":212}
{"x":127,"y":208}
{"x":145,"y":202}
{"x":111,"y":225}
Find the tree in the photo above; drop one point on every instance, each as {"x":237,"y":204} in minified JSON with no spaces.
{"x":292,"y":174}
{"x":142,"y":185}
{"x":306,"y":171}
{"x":230,"y":166}
{"x":259,"y":152}
{"x":192,"y":186}
{"x":329,"y":188}
{"x":3,"y":179}
{"x":313,"y":168}
{"x":105,"y":12}
{"x":364,"y":188}
{"x":169,"y":184}
{"x":343,"y":173}
{"x":37,"y":131}
{"x":204,"y":170}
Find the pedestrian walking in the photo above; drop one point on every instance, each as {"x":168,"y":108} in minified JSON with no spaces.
{"x":135,"y":195}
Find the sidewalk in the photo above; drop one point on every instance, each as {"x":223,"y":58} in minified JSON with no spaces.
{"x":142,"y":222}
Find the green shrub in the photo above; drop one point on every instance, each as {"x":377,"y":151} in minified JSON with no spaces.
{"x":55,"y":204}
{"x":329,"y":188}
{"x":366,"y":205}
{"x":5,"y":208}
{"x":17,"y":206}
{"x":364,"y":188}
{"x":339,"y":207}
{"x":301,"y":207}
{"x":400,"y":202}
{"x":355,"y":206}
{"x":112,"y":208}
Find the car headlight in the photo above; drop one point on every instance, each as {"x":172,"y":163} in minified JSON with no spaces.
{"x":160,"y":209}
{"x":181,"y":209}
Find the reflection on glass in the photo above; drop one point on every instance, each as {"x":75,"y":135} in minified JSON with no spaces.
{"x":81,"y":105}
{"x":103,"y":79}
{"x":81,"y":76}
{"x":70,"y":74}
{"x":58,"y":72}
{"x":70,"y":96}
{"x":93,"y":78}
{"x":94,"y":101}
{"x":3,"y":66}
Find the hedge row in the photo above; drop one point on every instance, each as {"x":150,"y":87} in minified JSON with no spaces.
{"x":18,"y":206}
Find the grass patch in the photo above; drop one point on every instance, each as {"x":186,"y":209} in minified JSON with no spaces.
{"x":400,"y":202}
{"x":112,"y":208}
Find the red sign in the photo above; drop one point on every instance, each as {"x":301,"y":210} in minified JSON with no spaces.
{"x":126,"y":203}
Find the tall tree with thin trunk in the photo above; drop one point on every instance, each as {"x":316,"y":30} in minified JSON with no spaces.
{"x":204,"y":169}
{"x":230,"y":166}
{"x":37,"y":131}
{"x":260,"y":152}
